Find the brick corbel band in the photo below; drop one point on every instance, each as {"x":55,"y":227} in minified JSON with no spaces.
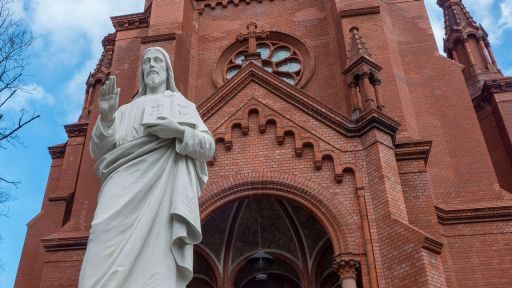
{"x":359,"y":12}
{"x":464,"y":215}
{"x":131,"y":21}
{"x":158,"y":38}
{"x":59,"y":242}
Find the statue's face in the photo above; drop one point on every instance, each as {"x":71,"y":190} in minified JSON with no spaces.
{"x":154,"y":69}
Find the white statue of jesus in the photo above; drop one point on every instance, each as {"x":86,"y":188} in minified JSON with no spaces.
{"x":151,"y":157}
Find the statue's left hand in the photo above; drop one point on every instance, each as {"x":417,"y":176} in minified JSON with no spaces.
{"x":164,"y":127}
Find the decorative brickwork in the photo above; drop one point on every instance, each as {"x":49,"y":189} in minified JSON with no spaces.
{"x":201,"y":5}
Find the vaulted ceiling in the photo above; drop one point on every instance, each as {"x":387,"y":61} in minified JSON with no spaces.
{"x":295,"y":239}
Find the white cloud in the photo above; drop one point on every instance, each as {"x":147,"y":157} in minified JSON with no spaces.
{"x":29,"y":96}
{"x":494,"y":15}
{"x":70,"y":27}
{"x":482,"y":11}
{"x":68,"y":39}
{"x":505,"y":22}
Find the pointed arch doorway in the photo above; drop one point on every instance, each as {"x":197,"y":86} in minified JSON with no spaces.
{"x":300,"y":248}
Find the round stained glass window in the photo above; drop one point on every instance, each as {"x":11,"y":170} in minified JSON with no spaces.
{"x":290,"y":65}
{"x":277,"y":58}
{"x":232,"y":71}
{"x":281,"y":53}
{"x":264,"y":50}
{"x":239,"y":58}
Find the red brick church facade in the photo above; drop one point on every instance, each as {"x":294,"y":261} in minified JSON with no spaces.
{"x":348,"y":149}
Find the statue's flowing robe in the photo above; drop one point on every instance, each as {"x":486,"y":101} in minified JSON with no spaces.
{"x":147,"y":218}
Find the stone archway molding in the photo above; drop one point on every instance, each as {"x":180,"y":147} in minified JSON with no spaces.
{"x":340,"y":227}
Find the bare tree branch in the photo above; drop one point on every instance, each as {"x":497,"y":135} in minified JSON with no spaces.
{"x":8,"y":97}
{"x":15,"y":39}
{"x":21,"y":123}
{"x":13,"y":183}
{"x":6,"y":195}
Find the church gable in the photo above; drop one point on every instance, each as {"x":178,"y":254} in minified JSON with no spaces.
{"x":265,"y":104}
{"x":254,"y":82}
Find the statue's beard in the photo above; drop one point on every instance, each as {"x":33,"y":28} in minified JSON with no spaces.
{"x":154,"y":80}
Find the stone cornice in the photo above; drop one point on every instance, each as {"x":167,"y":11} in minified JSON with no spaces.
{"x":131,"y":21}
{"x":373,"y":119}
{"x":413,"y":150}
{"x":498,"y":85}
{"x":362,"y":61}
{"x":57,"y":151}
{"x":297,"y":97}
{"x":432,"y":245}
{"x":489,"y":90}
{"x":59,"y":242}
{"x":359,"y":12}
{"x":464,"y":215}
{"x":76,"y":129}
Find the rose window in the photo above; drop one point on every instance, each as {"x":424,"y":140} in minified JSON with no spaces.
{"x":277,"y":58}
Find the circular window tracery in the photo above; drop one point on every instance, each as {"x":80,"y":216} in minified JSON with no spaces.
{"x":281,"y":59}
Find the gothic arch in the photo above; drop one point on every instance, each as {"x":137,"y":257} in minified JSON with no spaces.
{"x":211,"y":263}
{"x":338,"y":226}
{"x":239,"y":265}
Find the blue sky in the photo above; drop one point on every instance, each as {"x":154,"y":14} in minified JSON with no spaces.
{"x":67,"y":47}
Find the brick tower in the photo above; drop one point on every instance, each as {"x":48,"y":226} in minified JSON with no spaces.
{"x":491,"y":93}
{"x":348,"y":149}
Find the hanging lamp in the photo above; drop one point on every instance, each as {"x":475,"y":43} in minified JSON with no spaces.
{"x":260,"y":259}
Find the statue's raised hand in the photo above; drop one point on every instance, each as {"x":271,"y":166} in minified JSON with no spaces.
{"x":109,"y":99}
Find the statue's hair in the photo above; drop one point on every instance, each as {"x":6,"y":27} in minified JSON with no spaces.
{"x":169,"y":81}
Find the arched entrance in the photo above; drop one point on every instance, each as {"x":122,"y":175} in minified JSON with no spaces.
{"x":301,"y":250}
